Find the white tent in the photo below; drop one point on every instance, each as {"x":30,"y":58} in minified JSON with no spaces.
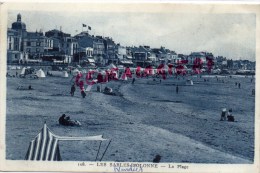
{"x":189,"y":82}
{"x":75,"y":72}
{"x":59,"y":73}
{"x":110,"y":66}
{"x":40,"y":73}
{"x":23,"y":71}
{"x":65,"y":74}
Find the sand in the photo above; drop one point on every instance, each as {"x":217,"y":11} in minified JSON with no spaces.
{"x":142,"y":120}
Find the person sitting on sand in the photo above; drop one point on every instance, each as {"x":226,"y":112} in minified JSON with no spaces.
{"x":66,"y":121}
{"x":157,"y":158}
{"x":62,"y":120}
{"x":230,"y":117}
{"x":108,"y":90}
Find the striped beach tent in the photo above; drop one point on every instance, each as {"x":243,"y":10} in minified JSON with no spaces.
{"x":45,"y":146}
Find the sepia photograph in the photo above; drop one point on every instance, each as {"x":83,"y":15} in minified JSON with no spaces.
{"x":152,"y":87}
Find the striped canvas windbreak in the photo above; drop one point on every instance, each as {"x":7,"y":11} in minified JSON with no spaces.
{"x":44,"y":147}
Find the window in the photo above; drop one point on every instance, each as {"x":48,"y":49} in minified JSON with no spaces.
{"x":10,"y":46}
{"x":28,"y":43}
{"x":38,"y":43}
{"x":37,"y":50}
{"x":28,"y":50}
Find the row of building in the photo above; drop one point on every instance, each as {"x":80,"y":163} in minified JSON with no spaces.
{"x":55,"y":46}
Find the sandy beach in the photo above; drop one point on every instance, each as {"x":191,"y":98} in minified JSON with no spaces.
{"x":144,"y":119}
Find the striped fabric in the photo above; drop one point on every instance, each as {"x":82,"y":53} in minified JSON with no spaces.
{"x":44,"y":147}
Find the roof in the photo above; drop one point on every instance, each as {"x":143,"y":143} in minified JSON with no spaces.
{"x":197,"y":54}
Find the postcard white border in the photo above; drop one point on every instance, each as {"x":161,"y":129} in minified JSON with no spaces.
{"x":155,"y":7}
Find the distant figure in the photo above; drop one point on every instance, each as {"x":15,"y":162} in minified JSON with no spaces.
{"x":157,"y":158}
{"x":66,"y":121}
{"x":98,"y":88}
{"x":204,"y":80}
{"x":133,"y":81}
{"x":83,"y":94}
{"x":30,"y":87}
{"x":62,"y":120}
{"x":223,"y":115}
{"x":16,"y":74}
{"x":160,"y":81}
{"x":236,"y":83}
{"x":177,"y":89}
{"x":253,"y":92}
{"x":230,"y":117}
{"x":72,"y":90}
{"x":239,"y":85}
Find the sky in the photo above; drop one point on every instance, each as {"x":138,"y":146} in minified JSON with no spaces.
{"x":229,"y":35}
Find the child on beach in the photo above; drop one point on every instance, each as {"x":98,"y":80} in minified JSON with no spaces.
{"x":223,"y":114}
{"x":230,"y":117}
{"x":72,"y":90}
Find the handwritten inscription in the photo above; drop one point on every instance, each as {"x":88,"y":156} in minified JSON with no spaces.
{"x":128,"y":169}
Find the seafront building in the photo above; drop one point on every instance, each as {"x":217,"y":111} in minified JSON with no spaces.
{"x":57,"y":47}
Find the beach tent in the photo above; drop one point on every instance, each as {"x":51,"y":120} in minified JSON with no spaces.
{"x":45,"y":146}
{"x":59,"y":73}
{"x":40,"y":73}
{"x":23,"y":71}
{"x":110,"y":66}
{"x":189,"y":82}
{"x":65,"y":74}
{"x":75,"y":71}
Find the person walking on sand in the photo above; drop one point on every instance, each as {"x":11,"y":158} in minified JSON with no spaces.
{"x":72,"y":90}
{"x":133,"y":81}
{"x":177,"y":89}
{"x":239,"y":85}
{"x":253,"y":92}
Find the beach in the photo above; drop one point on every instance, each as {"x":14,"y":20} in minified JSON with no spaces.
{"x":142,"y":120}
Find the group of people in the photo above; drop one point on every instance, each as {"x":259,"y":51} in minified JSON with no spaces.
{"x":227,"y":115}
{"x":66,"y":121}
